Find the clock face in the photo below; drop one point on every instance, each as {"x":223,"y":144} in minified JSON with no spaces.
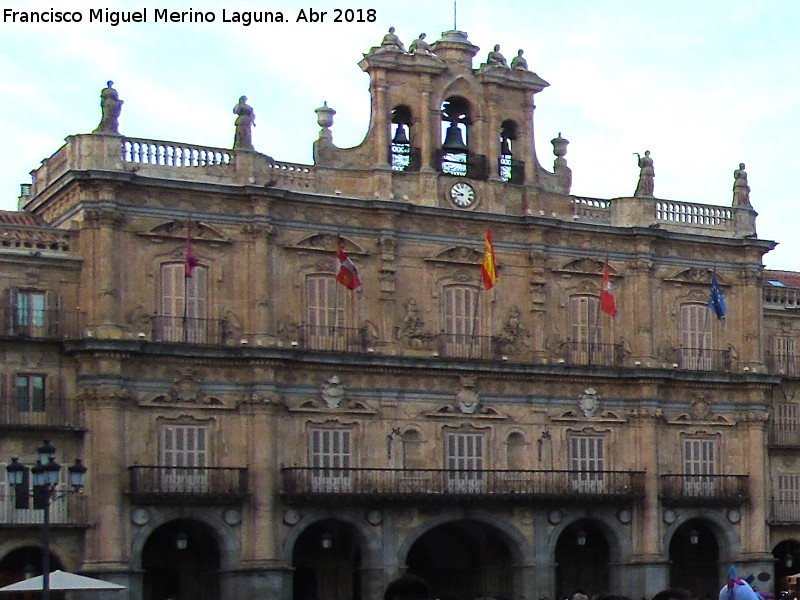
{"x":462,"y":194}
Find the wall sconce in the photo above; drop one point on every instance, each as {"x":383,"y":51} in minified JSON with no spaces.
{"x":694,"y":537}
{"x":581,"y":538}
{"x":326,"y":541}
{"x":181,"y":541}
{"x":28,"y":571}
{"x":788,"y":560}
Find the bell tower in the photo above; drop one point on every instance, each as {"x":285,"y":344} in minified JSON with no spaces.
{"x":436,"y":122}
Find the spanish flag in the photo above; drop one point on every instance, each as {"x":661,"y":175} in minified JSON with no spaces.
{"x":488,"y":270}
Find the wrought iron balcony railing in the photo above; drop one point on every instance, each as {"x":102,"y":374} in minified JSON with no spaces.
{"x":45,"y":324}
{"x":704,"y":359}
{"x":333,"y":338}
{"x":704,"y":489}
{"x":68,"y":510}
{"x":786,"y":435}
{"x":303,"y":484}
{"x":190,"y":485}
{"x":586,"y":353}
{"x":53,"y":412}
{"x":189,"y":330}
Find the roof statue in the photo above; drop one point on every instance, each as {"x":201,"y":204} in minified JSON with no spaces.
{"x":518,"y":62}
{"x":111,"y":107}
{"x":495,"y":58}
{"x":741,"y":190}
{"x":245,"y":121}
{"x":647,"y":175}
{"x":392,"y":42}
{"x":420,"y":46}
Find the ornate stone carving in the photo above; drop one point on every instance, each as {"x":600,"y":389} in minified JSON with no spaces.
{"x":111,"y":107}
{"x":333,"y":392}
{"x":741,"y":190}
{"x":288,"y":329}
{"x":589,"y":402}
{"x":458,"y":254}
{"x":466,"y":397}
{"x":701,"y":408}
{"x":518,"y":62}
{"x":391,"y":42}
{"x":496,"y":59}
{"x":512,"y":337}
{"x":245,"y":121}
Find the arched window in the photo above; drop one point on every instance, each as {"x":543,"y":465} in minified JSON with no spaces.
{"x":412,"y":450}
{"x":506,"y":164}
{"x":400,"y":150}
{"x":456,"y":119}
{"x":183,"y":314}
{"x":515,"y":452}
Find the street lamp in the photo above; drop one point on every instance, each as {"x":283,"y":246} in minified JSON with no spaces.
{"x":44,"y":477}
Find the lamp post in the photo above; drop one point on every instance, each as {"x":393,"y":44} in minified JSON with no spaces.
{"x":44,"y":478}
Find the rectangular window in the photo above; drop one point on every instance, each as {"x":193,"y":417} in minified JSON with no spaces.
{"x":464,"y":462}
{"x":29,"y":316}
{"x":699,"y":459}
{"x":696,"y":351}
{"x":787,"y":498}
{"x":587,"y":463}
{"x":591,"y":339}
{"x":786,"y":424}
{"x":783,"y":355}
{"x":462,"y":330}
{"x":330,"y":457}
{"x":184,"y":449}
{"x":184,"y":304}
{"x":327,"y":310}
{"x":30,"y":393}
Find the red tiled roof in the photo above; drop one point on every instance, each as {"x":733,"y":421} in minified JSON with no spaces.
{"x":790,"y":278}
{"x":21,"y":217}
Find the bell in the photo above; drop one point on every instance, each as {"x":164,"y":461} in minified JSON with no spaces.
{"x":400,"y":136}
{"x":505,"y":147}
{"x":453,"y":140}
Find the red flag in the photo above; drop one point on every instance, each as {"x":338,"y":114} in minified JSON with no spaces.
{"x":348,"y":274}
{"x":488,"y":268}
{"x":190,"y":260}
{"x":607,"y":303}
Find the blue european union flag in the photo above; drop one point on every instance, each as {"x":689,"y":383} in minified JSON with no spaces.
{"x":717,"y":301}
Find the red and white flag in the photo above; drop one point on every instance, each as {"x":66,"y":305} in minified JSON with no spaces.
{"x":348,"y":274}
{"x":607,"y":303}
{"x":190,"y":260}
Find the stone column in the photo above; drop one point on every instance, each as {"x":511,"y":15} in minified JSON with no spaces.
{"x":100,"y":281}
{"x":108,"y":541}
{"x":640,"y":291}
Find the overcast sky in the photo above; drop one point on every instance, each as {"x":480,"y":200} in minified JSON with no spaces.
{"x":702,"y":84}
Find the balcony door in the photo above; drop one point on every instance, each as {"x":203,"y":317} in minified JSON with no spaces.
{"x":184,"y":304}
{"x":696,"y":337}
{"x":464,"y":460}
{"x":461,"y":322}
{"x":698,"y":466}
{"x":184,"y":451}
{"x":330,"y":460}
{"x":327,"y":309}
{"x":587,"y":463}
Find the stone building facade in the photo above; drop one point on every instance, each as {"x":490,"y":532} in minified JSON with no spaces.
{"x":259,"y":430}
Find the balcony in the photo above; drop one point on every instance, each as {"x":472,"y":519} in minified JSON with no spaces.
{"x":188,"y":485}
{"x":57,"y":413}
{"x":585,"y":353}
{"x":189,"y":330}
{"x":333,"y":338}
{"x":68,"y":511}
{"x":704,"y":359}
{"x":328,"y":485}
{"x":692,"y":490}
{"x":41,"y":324}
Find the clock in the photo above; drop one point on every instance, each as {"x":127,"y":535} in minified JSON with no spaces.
{"x":462,"y":194}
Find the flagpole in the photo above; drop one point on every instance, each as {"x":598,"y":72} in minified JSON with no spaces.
{"x":336,"y":298}
{"x":593,"y":336}
{"x":705,"y":329}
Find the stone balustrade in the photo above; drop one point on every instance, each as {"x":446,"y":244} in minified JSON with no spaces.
{"x":27,"y":237}
{"x":171,"y":154}
{"x":293,"y":176}
{"x":702,"y":215}
{"x":777,"y":297}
